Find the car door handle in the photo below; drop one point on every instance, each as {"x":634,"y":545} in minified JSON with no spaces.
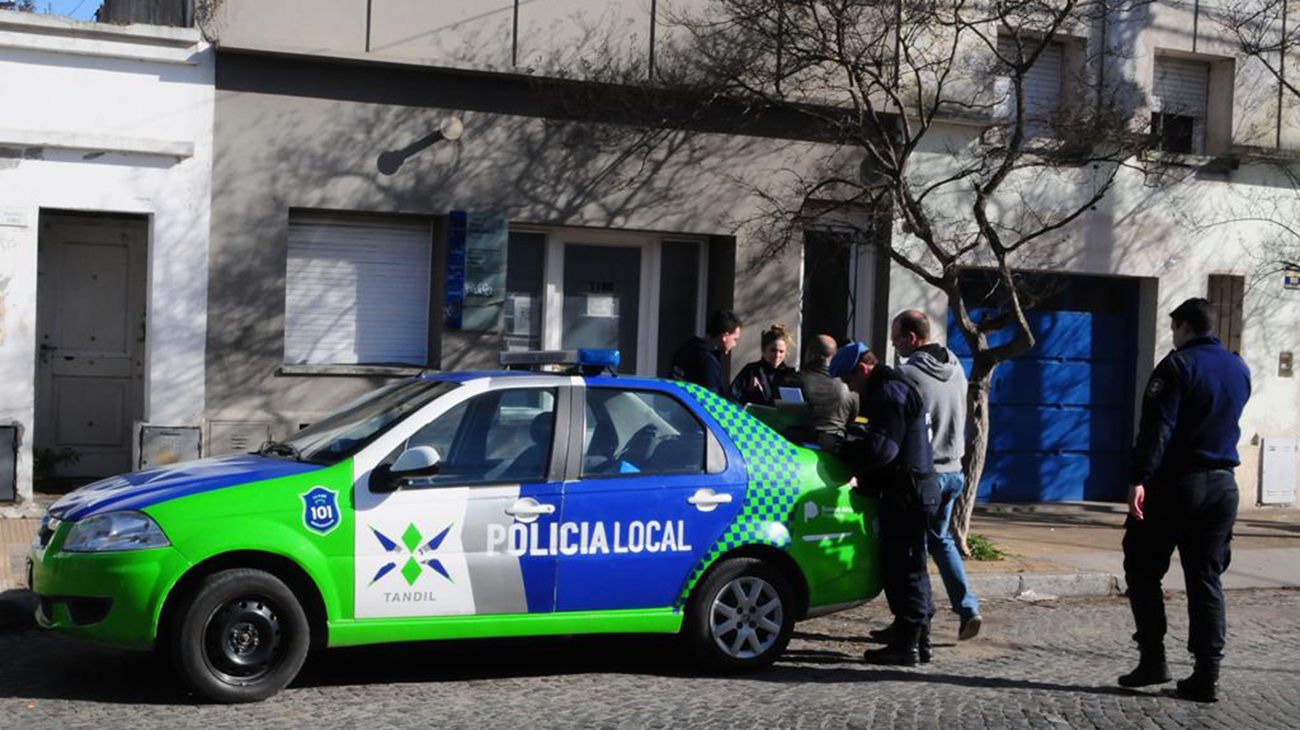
{"x":707,"y":500}
{"x":529,"y":509}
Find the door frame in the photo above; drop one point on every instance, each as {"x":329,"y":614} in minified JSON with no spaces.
{"x":647,"y":326}
{"x":650,"y":244}
{"x":864,"y":262}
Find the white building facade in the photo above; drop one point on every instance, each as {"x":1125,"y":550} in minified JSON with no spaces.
{"x":349,"y":244}
{"x":105,"y":188}
{"x":311,"y":104}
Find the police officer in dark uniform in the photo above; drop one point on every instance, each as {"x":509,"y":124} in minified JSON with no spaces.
{"x":892,"y":456}
{"x":699,"y":360}
{"x":1183,"y":495}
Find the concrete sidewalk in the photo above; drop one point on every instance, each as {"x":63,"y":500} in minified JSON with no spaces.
{"x":1073,"y":548}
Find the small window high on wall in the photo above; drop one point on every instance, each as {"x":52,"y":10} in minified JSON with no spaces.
{"x":1179,"y":92}
{"x":357,"y":290}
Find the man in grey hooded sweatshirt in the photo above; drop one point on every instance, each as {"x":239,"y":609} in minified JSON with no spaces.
{"x":937,"y":373}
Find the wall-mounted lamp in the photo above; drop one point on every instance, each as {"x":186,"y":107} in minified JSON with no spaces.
{"x":450,"y":129}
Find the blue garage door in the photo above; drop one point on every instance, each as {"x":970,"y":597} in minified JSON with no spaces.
{"x":1061,"y":415}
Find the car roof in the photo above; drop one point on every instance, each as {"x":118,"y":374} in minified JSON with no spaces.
{"x":524,"y":376}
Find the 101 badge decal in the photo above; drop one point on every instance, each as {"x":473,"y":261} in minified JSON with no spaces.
{"x":320,"y":510}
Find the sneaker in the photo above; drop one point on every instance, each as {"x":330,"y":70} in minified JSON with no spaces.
{"x":970,"y":627}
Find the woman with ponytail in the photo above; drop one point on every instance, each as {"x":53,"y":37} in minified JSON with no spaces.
{"x":758,"y":381}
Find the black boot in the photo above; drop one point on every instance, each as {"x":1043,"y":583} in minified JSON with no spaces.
{"x":1203,"y":684}
{"x":1151,"y":669}
{"x":923,"y":652}
{"x":902,"y":651}
{"x":887,"y":634}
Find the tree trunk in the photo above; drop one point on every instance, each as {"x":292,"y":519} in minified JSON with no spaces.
{"x":977,"y":419}
{"x":986,"y":361}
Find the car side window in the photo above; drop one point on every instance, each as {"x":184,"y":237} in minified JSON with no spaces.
{"x":640,"y":432}
{"x":503,"y":436}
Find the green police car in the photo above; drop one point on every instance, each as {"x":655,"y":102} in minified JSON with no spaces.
{"x":460,"y":505}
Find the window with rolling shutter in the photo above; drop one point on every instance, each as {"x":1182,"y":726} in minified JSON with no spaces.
{"x":1042,"y":83}
{"x":1179,"y":92}
{"x":357,"y":291}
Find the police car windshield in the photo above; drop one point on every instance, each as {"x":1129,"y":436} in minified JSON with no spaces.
{"x":342,"y":434}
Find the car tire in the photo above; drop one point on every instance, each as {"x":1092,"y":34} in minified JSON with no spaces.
{"x":241,"y":636}
{"x":732,"y":624}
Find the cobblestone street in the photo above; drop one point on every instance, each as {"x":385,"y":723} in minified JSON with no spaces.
{"x":1049,"y":664}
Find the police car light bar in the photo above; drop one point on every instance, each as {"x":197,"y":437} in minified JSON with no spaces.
{"x":586,"y":358}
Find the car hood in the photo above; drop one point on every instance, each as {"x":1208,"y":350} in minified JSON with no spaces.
{"x":141,"y":489}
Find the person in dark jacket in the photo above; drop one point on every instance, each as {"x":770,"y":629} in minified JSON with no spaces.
{"x":893,"y":458}
{"x":758,"y":381}
{"x":699,"y":361}
{"x":1183,"y":494}
{"x":831,"y":403}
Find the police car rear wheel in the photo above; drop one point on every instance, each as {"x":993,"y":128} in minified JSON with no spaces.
{"x":742,"y":616}
{"x":241,"y":637}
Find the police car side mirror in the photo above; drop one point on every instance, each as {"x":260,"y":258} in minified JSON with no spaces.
{"x":420,"y":461}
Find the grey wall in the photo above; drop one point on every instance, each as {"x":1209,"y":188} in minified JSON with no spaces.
{"x":313,"y":144}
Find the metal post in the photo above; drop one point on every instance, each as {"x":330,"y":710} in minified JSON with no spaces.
{"x":898,"y":41}
{"x":1196,"y":24}
{"x":1281,"y":70}
{"x":368,"y":9}
{"x":514,"y":37}
{"x":780,"y":42}
{"x":653,"y":11}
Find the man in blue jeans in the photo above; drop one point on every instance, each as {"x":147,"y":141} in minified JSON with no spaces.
{"x":937,"y":373}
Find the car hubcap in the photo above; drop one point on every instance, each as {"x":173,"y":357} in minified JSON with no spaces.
{"x":243,"y":639}
{"x":746,"y":617}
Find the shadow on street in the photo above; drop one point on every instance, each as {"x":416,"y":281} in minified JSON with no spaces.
{"x":49,"y":666}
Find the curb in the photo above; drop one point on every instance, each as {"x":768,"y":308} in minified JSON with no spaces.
{"x":17,"y":610}
{"x":1041,"y":585}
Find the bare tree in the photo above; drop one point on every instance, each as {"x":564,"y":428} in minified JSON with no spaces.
{"x":888,"y":86}
{"x":1265,"y":32}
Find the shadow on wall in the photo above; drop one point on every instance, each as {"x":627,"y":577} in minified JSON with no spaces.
{"x":276,"y":153}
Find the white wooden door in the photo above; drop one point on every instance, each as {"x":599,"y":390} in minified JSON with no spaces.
{"x":90,"y":342}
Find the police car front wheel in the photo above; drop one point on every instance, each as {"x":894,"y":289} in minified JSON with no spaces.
{"x":241,"y":636}
{"x":742,"y":616}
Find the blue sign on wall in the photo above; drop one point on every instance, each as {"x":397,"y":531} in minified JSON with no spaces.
{"x":476,"y":270}
{"x":455,"y":299}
